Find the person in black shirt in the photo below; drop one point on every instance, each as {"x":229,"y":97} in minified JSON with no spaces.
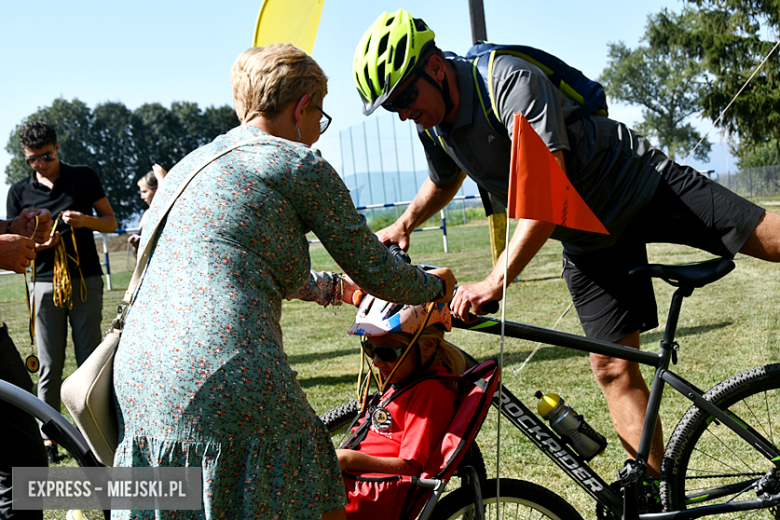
{"x":20,"y":441}
{"x":70,"y":193}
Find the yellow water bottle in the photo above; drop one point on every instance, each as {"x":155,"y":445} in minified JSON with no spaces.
{"x":570,"y":426}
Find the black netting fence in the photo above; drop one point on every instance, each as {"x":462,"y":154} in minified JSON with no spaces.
{"x":383,"y":163}
{"x":753,"y":182}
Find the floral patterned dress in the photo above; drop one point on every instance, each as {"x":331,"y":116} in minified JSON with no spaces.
{"x":201,"y":377}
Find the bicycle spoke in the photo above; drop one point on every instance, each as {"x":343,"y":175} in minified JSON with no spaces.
{"x":769,"y":420}
{"x":715,"y":465}
{"x":729,"y":448}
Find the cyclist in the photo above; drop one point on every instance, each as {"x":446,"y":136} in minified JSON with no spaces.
{"x":639,"y":194}
{"x":406,"y":343}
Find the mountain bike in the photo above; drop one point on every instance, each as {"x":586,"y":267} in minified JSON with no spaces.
{"x":721,"y":459}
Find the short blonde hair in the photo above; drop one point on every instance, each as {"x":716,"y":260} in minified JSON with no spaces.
{"x":266,"y":79}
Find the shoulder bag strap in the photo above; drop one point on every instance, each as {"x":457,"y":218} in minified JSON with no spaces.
{"x":140,"y":267}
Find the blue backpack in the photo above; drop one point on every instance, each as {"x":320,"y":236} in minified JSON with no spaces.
{"x":586,"y":92}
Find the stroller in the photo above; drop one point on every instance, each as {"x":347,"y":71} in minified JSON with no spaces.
{"x":423,"y":496}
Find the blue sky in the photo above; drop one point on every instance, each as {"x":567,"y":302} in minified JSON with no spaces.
{"x":164,"y":51}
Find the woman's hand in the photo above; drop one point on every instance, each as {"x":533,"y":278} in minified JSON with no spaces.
{"x":134,"y":240}
{"x":352,"y":293}
{"x":159,"y":173}
{"x":448,"y":278}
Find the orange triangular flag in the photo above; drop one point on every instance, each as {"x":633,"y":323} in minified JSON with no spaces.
{"x":539,"y":188}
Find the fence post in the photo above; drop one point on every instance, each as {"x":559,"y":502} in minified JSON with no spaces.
{"x":354,"y":167}
{"x":444,"y":231}
{"x":108,"y":264}
{"x":368,"y":165}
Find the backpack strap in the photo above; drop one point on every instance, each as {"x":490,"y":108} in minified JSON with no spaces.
{"x":572,"y":82}
{"x":482,"y":71}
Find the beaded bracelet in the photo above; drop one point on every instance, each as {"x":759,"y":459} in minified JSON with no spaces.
{"x":338,"y":290}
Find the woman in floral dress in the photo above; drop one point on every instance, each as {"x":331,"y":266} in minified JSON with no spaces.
{"x":201,"y":376}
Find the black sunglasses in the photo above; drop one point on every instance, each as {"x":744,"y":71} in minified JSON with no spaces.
{"x":385,"y":353}
{"x":325,"y":121}
{"x":408,"y":96}
{"x":46,"y":157}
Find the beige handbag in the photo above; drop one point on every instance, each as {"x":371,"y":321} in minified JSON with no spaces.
{"x":88,"y":393}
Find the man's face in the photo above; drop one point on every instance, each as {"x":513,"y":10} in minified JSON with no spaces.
{"x":44,"y":160}
{"x":428,"y":108}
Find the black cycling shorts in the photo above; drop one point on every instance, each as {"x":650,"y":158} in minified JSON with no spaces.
{"x":687,"y":208}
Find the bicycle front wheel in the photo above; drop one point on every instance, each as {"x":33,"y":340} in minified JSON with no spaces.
{"x":338,"y":420}
{"x":706,"y":463}
{"x":518,"y":499}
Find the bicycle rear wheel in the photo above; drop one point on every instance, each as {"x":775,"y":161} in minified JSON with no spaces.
{"x":519,"y":499}
{"x":706,"y":463}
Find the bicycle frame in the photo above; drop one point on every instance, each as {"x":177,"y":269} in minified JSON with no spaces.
{"x":575,"y":466}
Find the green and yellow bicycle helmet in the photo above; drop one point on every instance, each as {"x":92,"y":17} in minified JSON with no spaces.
{"x":387,"y":54}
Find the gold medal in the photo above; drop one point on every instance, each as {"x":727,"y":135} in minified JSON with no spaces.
{"x":32,"y":363}
{"x":381,"y":419}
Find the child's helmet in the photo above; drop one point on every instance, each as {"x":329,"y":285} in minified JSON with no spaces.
{"x":377,"y":317}
{"x":387,"y":54}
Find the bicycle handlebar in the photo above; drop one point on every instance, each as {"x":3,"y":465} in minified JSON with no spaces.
{"x":489,"y":307}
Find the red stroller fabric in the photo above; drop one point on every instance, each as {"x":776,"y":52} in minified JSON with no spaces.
{"x":374,"y":496}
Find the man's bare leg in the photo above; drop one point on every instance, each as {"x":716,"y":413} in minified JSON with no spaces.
{"x":764,"y":241}
{"x":627,"y":394}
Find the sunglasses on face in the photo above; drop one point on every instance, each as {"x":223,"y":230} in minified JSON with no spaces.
{"x":407,"y":97}
{"x":385,"y":353}
{"x":46,"y":157}
{"x":325,"y":121}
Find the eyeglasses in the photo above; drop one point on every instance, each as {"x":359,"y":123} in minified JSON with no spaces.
{"x":408,"y":96}
{"x":46,"y":157}
{"x":385,"y":353}
{"x":325,"y":121}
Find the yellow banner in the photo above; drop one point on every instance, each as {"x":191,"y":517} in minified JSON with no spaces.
{"x":288,"y":21}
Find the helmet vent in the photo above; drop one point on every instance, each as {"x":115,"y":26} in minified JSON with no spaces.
{"x":400,"y":54}
{"x":382,"y":47}
{"x":395,"y":310}
{"x":380,"y":72}
{"x":368,"y":44}
{"x":368,"y":78}
{"x":390,"y":21}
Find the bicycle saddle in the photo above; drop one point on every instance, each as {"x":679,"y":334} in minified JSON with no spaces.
{"x":694,"y":275}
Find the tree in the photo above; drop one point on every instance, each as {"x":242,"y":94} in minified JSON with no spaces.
{"x":122,"y":145}
{"x":667,"y":85}
{"x":763,"y":154}
{"x":115,"y":157}
{"x":726,"y":37}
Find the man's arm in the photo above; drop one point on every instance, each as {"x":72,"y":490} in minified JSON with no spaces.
{"x":105,"y":222}
{"x":17,"y":251}
{"x":428,"y":201}
{"x":527,"y":240}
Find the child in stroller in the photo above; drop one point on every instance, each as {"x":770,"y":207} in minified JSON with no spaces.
{"x":404,"y":423}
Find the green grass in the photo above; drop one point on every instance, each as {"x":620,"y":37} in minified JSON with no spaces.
{"x":724,"y":328}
